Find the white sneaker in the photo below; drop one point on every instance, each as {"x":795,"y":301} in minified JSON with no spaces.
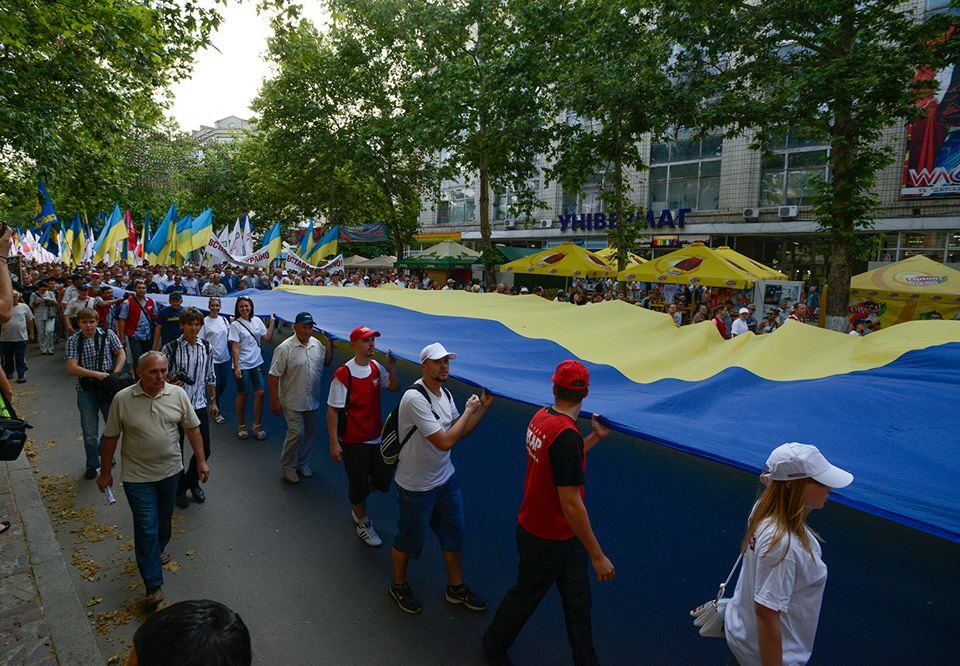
{"x":305,"y":471}
{"x":290,"y":475}
{"x":367,"y":535}
{"x":356,"y":521}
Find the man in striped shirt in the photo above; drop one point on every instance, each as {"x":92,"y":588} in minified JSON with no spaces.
{"x":191,"y":367}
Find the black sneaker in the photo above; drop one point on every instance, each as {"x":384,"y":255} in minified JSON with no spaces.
{"x":462,"y":595}
{"x":403,"y":595}
{"x":91,"y":473}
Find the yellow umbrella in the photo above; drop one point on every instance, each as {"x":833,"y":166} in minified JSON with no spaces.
{"x":564,"y":260}
{"x":609,"y":255}
{"x":694,"y":264}
{"x":744,"y":262}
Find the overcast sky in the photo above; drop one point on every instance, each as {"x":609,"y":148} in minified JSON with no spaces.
{"x":226,"y":79}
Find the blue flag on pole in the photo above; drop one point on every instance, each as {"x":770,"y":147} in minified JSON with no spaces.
{"x":45,"y":213}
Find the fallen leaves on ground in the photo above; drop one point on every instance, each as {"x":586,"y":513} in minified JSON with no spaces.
{"x":30,"y":449}
{"x":52,"y":444}
{"x":172,"y":566}
{"x":92,"y":601}
{"x":108,"y":620}
{"x":88,"y":568}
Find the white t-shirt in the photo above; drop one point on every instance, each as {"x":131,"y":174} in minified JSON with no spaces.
{"x":338,"y":392}
{"x":739,"y":327}
{"x":248,"y":334}
{"x":15,"y":330}
{"x":214,"y":331}
{"x":422,"y":466}
{"x":792,"y":584}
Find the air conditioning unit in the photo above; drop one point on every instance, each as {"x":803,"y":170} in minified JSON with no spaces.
{"x":788,"y":211}
{"x":751,"y":213}
{"x":546,"y":224}
{"x":510,"y":224}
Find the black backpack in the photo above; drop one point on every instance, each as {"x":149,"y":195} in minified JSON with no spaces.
{"x":390,"y":440}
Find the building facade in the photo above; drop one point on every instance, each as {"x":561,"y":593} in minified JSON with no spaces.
{"x":225,"y":129}
{"x":727,"y":193}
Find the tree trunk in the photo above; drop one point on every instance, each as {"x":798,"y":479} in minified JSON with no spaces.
{"x":841,"y":213}
{"x":486,"y":245}
{"x":838,"y":278}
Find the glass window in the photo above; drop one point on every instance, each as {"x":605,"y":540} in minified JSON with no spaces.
{"x":771,"y":188}
{"x":588,"y":200}
{"x":695,"y":182}
{"x":808,"y":158}
{"x":924,"y":239}
{"x":955,"y":240}
{"x":790,"y":177}
{"x":443,"y":213}
{"x":802,"y":186}
{"x":659,"y":153}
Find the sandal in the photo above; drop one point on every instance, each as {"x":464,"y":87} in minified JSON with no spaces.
{"x":219,"y":418}
{"x":242,"y":432}
{"x":4,"y":526}
{"x":258,"y":432}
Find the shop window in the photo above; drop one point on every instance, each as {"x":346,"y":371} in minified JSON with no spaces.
{"x":791,"y":174}
{"x":932,"y":240}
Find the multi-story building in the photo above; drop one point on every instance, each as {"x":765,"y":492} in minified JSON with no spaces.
{"x":731,"y":194}
{"x":225,"y":129}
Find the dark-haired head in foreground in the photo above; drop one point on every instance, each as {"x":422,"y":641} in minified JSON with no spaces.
{"x":192,"y":633}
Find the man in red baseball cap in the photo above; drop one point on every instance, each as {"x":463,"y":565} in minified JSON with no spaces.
{"x":354,"y":422}
{"x":554,"y":537}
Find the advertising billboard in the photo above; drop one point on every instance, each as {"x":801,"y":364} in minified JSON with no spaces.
{"x":932,"y":164}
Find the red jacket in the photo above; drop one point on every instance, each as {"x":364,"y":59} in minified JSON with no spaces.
{"x":133,"y":318}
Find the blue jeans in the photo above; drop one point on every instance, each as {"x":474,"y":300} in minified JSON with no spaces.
{"x":13,"y":355}
{"x":90,"y":411}
{"x":151,"y":503}
{"x":223,"y":373}
{"x":440,"y":508}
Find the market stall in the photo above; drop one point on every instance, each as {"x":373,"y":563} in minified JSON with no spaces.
{"x":443,"y":260}
{"x":906,"y":290}
{"x":565,"y":261}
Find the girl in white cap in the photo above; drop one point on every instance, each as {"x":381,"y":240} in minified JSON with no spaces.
{"x":772,"y":617}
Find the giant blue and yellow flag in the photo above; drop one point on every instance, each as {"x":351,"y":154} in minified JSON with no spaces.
{"x":325,"y":247}
{"x":114,"y":230}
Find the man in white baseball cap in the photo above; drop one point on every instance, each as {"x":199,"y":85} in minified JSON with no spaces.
{"x":428,"y":490}
{"x":740,"y":325}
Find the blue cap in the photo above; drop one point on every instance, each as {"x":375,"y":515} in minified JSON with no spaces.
{"x":304,"y":318}
{"x":176,"y":294}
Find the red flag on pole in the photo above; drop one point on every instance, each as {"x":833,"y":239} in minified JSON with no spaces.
{"x":131,"y":234}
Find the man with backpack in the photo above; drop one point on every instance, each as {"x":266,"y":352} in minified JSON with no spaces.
{"x":138,"y":315}
{"x":354,"y":423}
{"x":92,"y":355}
{"x":428,"y":490}
{"x":190,"y":366}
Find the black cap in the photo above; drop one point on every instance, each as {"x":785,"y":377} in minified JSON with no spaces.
{"x":304,"y":318}
{"x":84,"y":286}
{"x":176,"y":294}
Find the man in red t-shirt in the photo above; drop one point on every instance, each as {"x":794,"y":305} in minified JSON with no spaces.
{"x":354,"y":422}
{"x":554,"y":537}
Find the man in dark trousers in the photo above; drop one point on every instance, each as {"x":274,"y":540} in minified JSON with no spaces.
{"x":554,"y":537}
{"x":135,"y":322}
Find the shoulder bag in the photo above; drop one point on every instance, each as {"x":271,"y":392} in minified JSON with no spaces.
{"x":709,"y":616}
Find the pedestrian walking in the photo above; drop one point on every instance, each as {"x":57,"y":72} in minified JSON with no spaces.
{"x":44,"y":304}
{"x":245,"y":336}
{"x":190,"y":366}
{"x":214,"y":331}
{"x":428,"y":490}
{"x":554,"y":536}
{"x":740,"y":325}
{"x":167,"y":328}
{"x":135,"y":323}
{"x":773,"y":615}
{"x":14,"y":335}
{"x":91,"y":355}
{"x":148,"y":414}
{"x":354,"y":423}
{"x":296,"y":383}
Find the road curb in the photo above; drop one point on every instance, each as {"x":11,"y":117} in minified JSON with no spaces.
{"x":69,"y":627}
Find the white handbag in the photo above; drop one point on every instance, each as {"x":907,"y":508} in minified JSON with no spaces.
{"x":709,"y":616}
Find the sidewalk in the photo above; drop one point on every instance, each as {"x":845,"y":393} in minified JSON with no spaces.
{"x":41,"y":619}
